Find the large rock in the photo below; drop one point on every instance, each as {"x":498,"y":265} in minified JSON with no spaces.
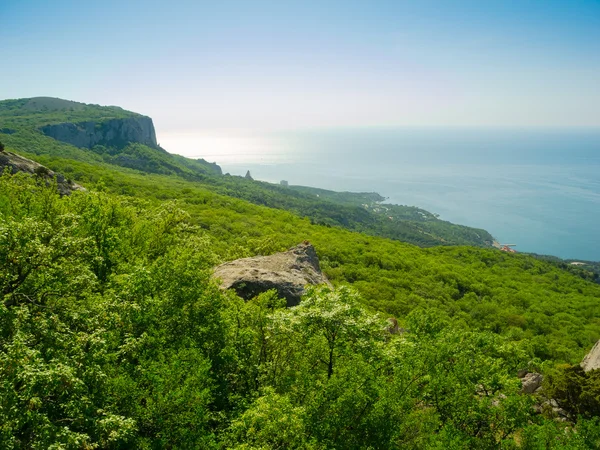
{"x":287,"y":272}
{"x":592,"y":359}
{"x":16,"y":163}
{"x":531,"y":382}
{"x":117,"y":133}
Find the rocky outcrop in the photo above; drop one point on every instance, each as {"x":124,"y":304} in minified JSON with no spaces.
{"x":287,"y":272}
{"x":531,"y":382}
{"x":16,"y":163}
{"x":212,"y":167}
{"x":116,"y":133}
{"x":592,"y":359}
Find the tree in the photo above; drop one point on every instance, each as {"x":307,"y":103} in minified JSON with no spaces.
{"x":338,"y":317}
{"x":576,"y":391}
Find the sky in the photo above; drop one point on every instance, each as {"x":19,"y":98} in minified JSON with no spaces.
{"x":284,"y":65}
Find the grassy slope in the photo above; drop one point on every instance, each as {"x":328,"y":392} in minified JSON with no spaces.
{"x":553,"y":311}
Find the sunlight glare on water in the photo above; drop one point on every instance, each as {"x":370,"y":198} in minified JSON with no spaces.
{"x":226,"y":148}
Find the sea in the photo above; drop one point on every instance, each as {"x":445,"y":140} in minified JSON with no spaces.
{"x":538,"y":189}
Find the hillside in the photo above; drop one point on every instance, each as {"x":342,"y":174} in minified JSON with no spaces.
{"x":586,"y":269}
{"x":114,"y":336}
{"x":431,"y":229}
{"x":90,"y":133}
{"x":392,"y":276}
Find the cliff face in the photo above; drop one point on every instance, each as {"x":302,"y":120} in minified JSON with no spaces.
{"x":110,"y":133}
{"x":592,"y":359}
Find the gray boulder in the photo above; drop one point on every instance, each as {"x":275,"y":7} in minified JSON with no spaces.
{"x":286,"y":272}
{"x":592,"y":359}
{"x":531,"y":382}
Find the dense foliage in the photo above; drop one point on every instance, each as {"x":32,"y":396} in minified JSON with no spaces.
{"x":112,"y":335}
{"x":555,"y":313}
{"x":589,"y":270}
{"x":576,"y":391}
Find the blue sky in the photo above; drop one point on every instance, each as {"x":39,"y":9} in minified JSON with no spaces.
{"x":270,"y":65}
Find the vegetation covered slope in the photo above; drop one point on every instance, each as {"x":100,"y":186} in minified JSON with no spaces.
{"x":40,"y":111}
{"x":112,"y":335}
{"x":21,"y":121}
{"x":432,"y":230}
{"x":551,"y":310}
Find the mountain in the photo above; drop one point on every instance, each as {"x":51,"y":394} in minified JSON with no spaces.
{"x":257,"y":218}
{"x":92,"y":133}
{"x":115,"y":334}
{"x":50,"y":127}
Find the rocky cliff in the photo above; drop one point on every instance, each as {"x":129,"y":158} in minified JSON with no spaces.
{"x":592,"y":359}
{"x":115,"y":133}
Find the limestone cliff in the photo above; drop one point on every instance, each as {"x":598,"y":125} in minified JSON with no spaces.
{"x":115,"y":133}
{"x":592,"y":359}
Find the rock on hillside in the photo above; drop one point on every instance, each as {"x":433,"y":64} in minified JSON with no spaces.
{"x":592,"y":359}
{"x":116,"y":133}
{"x":16,"y":163}
{"x":287,"y":272}
{"x":531,"y":382}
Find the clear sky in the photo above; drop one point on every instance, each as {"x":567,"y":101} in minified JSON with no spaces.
{"x":268,"y":65}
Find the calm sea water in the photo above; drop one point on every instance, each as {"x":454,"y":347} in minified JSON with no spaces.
{"x":537,"y":189}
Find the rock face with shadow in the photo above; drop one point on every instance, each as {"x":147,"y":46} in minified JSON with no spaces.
{"x":531,"y":382}
{"x":117,"y":133}
{"x":592,"y":359}
{"x":286,"y":272}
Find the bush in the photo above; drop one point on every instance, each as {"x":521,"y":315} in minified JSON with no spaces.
{"x":41,"y":171}
{"x":576,"y":391}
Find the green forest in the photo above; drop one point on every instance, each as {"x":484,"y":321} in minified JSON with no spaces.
{"x":113,"y":335}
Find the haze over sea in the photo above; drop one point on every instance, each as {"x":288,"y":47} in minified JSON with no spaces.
{"x":538,"y":189}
